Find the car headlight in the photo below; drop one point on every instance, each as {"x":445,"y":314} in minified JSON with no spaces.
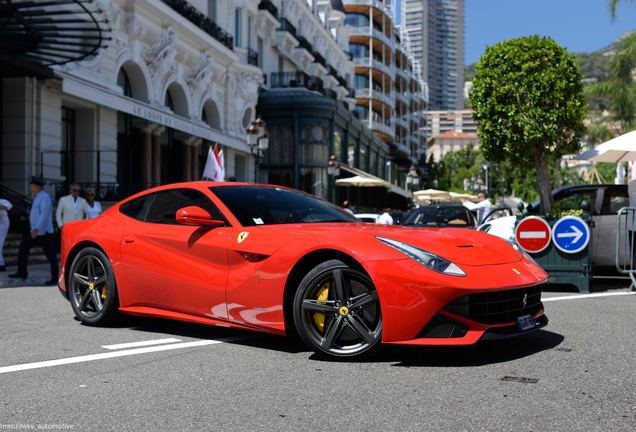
{"x":427,"y":259}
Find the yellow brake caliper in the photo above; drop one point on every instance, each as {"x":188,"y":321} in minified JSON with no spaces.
{"x":104,"y":292}
{"x":319,"y":318}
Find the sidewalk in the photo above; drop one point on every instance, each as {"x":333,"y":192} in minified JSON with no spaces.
{"x":38,"y":275}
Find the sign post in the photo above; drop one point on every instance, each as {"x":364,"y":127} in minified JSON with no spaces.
{"x":570,"y":234}
{"x":533,"y":234}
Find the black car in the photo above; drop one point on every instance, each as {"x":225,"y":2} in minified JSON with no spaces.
{"x":442,"y":215}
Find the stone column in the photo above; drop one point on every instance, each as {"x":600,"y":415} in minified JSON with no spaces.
{"x":156,"y":155}
{"x":195,"y":160}
{"x":146,"y":129}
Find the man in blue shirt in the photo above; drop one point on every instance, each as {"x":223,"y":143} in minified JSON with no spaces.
{"x":41,"y":219}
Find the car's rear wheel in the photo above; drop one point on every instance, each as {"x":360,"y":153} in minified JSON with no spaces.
{"x":91,"y":287}
{"x":337,"y":312}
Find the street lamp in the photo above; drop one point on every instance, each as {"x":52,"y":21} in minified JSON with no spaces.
{"x":412,"y":179}
{"x":258,"y":141}
{"x":333,"y":169}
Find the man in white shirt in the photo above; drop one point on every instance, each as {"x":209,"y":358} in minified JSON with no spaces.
{"x":71,"y":207}
{"x":482,"y":206}
{"x":386,"y":218}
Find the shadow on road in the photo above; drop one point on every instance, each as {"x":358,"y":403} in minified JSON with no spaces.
{"x":482,"y":353}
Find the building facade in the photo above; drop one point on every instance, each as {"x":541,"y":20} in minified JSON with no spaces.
{"x":177,"y":77}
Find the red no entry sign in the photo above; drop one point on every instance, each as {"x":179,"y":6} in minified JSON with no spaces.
{"x":533,"y":234}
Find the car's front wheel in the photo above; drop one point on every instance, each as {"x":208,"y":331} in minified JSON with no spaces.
{"x":337,"y":312}
{"x":91,"y":287}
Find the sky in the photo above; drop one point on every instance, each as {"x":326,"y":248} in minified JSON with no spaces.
{"x":577,"y":25}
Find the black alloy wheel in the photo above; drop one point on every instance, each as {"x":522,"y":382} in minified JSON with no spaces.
{"x":92,"y":289}
{"x":337,"y":312}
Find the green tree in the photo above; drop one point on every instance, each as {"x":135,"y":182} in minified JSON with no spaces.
{"x":529,"y":106}
{"x":620,"y":89}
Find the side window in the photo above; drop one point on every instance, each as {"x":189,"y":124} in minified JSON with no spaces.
{"x":573,"y":200}
{"x":138,"y":208}
{"x":614,"y":200}
{"x":166,"y":203}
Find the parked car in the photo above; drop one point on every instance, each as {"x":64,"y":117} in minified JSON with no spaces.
{"x":604,"y":200}
{"x":280,"y":261}
{"x":368,"y":217}
{"x":441,"y":215}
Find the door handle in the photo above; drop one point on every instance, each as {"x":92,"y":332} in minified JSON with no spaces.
{"x":128,"y":239}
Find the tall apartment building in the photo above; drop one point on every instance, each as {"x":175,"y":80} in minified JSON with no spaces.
{"x":436,"y":31}
{"x":390,"y":91}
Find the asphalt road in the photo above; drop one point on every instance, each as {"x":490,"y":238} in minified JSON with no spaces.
{"x":577,"y":374}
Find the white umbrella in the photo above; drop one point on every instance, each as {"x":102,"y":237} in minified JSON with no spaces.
{"x":433,"y":195}
{"x":458,"y":196}
{"x":360,"y":181}
{"x":619,"y":149}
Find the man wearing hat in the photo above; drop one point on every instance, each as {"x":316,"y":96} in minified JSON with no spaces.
{"x":41,"y":219}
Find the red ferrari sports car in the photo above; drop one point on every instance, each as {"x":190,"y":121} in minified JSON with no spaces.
{"x":277,"y":260}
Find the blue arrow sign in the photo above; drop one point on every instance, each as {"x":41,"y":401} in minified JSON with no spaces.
{"x":570,"y":234}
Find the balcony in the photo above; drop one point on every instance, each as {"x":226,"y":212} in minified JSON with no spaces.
{"x":296,"y":79}
{"x":269,"y":7}
{"x":304,"y":43}
{"x":288,"y":27}
{"x":319,"y":59}
{"x":193,"y":15}
{"x":252,"y":57}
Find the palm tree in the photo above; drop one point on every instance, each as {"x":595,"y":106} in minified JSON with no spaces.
{"x":613,"y":4}
{"x":620,"y":89}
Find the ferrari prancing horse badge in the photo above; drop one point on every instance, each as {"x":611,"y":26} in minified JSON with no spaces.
{"x":242,"y":236}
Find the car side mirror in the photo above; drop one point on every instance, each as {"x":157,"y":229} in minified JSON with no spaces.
{"x":585,"y":206}
{"x":196,"y":216}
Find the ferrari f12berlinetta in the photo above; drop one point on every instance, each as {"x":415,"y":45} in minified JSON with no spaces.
{"x":276,"y":260}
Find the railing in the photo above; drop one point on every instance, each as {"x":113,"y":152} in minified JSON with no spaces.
{"x":296,"y":79}
{"x":193,"y":15}
{"x":342,"y":82}
{"x":287,"y":26}
{"x":252,"y":57}
{"x":331,"y":94}
{"x":625,"y":246}
{"x":319,"y":59}
{"x":20,"y":202}
{"x":332,"y":71}
{"x":269,"y":7}
{"x":304,"y":43}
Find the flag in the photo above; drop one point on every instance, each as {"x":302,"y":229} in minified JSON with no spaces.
{"x":215,"y":165}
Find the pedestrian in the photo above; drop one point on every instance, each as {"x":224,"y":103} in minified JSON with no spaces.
{"x":345,"y":207}
{"x":41,"y":232}
{"x":93,"y":208}
{"x":71,"y":207}
{"x":5,"y":206}
{"x":483,"y":206}
{"x":386,"y":218}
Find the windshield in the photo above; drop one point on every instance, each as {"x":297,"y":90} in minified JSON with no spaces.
{"x":435,"y":216}
{"x":267,"y":205}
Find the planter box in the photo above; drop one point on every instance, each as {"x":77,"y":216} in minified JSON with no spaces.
{"x":566,"y":268}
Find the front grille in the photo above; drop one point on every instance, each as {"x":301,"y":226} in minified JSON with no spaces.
{"x":498,"y":306}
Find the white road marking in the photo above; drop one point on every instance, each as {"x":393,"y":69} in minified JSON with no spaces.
{"x":107,"y":355}
{"x":574,"y":297}
{"x":140,"y":344}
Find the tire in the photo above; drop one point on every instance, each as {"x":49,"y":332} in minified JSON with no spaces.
{"x":92,"y":289}
{"x":337,"y":312}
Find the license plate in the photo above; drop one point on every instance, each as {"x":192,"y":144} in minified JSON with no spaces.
{"x":526,"y":322}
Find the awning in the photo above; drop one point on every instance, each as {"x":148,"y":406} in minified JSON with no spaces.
{"x":364,"y":179}
{"x":51,"y":32}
